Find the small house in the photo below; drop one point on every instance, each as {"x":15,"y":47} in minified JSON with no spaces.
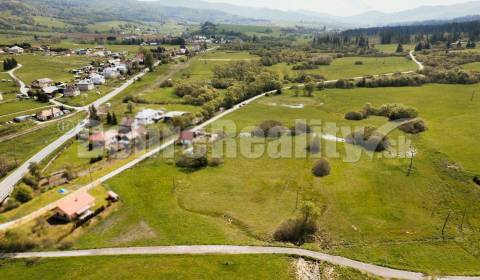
{"x":110,"y":73}
{"x":173,"y":114}
{"x":15,"y":50}
{"x":149,"y":116}
{"x":42,"y":83}
{"x":85,"y":85}
{"x":186,"y":137}
{"x":49,"y":114}
{"x":77,"y":206}
{"x":104,"y":139}
{"x":97,"y":79}
{"x":71,"y":91}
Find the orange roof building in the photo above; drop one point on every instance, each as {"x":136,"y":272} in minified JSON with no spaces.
{"x":75,"y":206}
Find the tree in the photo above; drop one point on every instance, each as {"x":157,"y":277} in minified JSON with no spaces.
{"x":130,"y":107}
{"x":321,"y":168}
{"x":23,"y":193}
{"x":109,"y":118}
{"x":114,"y":119}
{"x":309,"y":88}
{"x":93,"y":113}
{"x":148,"y":60}
{"x":34,"y":169}
{"x":299,"y":230}
{"x":399,"y":48}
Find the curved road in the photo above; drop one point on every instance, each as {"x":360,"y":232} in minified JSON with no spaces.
{"x":380,"y":271}
{"x":419,"y":64}
{"x":21,"y":84}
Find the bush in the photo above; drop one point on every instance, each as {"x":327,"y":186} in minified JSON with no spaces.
{"x":10,"y":204}
{"x":413,"y":127}
{"x":370,"y":139}
{"x":354,"y":116}
{"x":476,"y":180}
{"x":393,"y":111}
{"x":299,"y":230}
{"x":321,"y":168}
{"x":269,"y":128}
{"x":315,"y":145}
{"x":214,"y":162}
{"x":300,"y":128}
{"x":167,"y":83}
{"x":6,"y":165}
{"x":196,"y":160}
{"x":16,"y":241}
{"x":23,"y":193}
{"x":358,"y":62}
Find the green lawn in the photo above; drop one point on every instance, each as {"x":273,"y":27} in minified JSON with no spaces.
{"x":346,"y":68}
{"x":7,"y":86}
{"x":56,"y":68}
{"x":367,"y":204}
{"x":391,"y":48}
{"x":233,"y":267}
{"x":50,"y":22}
{"x":12,"y":108}
{"x":474,"y":66}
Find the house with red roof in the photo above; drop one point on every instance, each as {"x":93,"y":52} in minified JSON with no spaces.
{"x":77,"y":206}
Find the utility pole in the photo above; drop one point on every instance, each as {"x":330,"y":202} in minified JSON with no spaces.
{"x":444,"y":225}
{"x":473,"y":96}
{"x":412,"y":155}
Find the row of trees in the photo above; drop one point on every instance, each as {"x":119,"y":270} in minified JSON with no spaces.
{"x":9,"y":64}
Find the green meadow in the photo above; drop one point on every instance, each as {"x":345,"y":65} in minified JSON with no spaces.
{"x":56,"y":68}
{"x":370,"y":204}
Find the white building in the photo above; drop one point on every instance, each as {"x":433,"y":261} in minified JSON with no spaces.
{"x":97,"y":79}
{"x":85,"y":85}
{"x":149,"y":116}
{"x":110,"y":73}
{"x":15,"y":50}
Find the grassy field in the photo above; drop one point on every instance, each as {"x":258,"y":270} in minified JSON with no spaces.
{"x":51,"y":22}
{"x":346,"y":68}
{"x":370,"y":204}
{"x":474,"y":66}
{"x":7,"y":86}
{"x":251,"y":30}
{"x":391,"y":48}
{"x":55,"y":68}
{"x":153,"y":267}
{"x":167,"y":267}
{"x":9,"y":110}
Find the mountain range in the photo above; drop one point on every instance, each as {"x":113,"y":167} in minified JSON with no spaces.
{"x":16,"y":12}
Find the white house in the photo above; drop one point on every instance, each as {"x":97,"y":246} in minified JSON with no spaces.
{"x":15,"y":50}
{"x":49,"y":114}
{"x":97,"y":79}
{"x":149,"y":116}
{"x":122,"y":68}
{"x":85,"y":85}
{"x":110,"y":73}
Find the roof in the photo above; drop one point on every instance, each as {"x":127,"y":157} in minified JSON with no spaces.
{"x":85,"y":82}
{"x":49,"y":112}
{"x":44,"y":81}
{"x":76,"y":204}
{"x":187,"y":135}
{"x":148,"y":114}
{"x":173,"y":114}
{"x":50,"y":89}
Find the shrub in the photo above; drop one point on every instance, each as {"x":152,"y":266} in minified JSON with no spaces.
{"x":354,"y":116}
{"x":167,"y":83}
{"x":300,"y":128}
{"x":196,"y":160}
{"x":269,"y":128}
{"x":321,"y":168}
{"x":476,"y":180}
{"x":23,"y":193}
{"x":30,"y":181}
{"x":10,"y":204}
{"x":315,"y":145}
{"x":214,"y":162}
{"x":299,"y":230}
{"x":413,"y":127}
{"x":17,"y":241}
{"x":358,"y":62}
{"x":370,"y":139}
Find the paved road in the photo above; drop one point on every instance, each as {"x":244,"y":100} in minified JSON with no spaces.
{"x":232,"y":250}
{"x":420,"y":65}
{"x":21,"y":84}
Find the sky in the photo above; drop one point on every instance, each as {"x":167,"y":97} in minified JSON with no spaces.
{"x":340,"y":7}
